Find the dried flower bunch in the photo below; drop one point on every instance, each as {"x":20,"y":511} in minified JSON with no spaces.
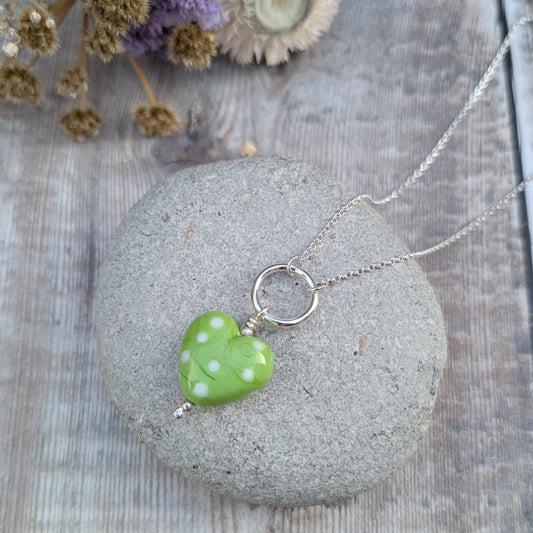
{"x":184,"y":32}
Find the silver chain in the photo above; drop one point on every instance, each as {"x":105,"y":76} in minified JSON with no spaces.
{"x":433,"y":155}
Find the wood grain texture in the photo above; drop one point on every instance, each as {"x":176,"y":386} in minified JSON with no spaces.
{"x":367,"y":103}
{"x":522,"y":56}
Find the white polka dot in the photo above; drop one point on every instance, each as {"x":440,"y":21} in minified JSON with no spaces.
{"x":216,"y":322}
{"x":213,"y":365}
{"x":258,"y":345}
{"x":202,"y":336}
{"x":185,"y":355}
{"x":247,"y":374}
{"x":201,"y":390}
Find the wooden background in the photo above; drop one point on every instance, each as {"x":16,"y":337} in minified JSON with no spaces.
{"x":367,"y":104}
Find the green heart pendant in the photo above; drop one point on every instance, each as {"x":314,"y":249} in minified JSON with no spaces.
{"x":220,"y":365}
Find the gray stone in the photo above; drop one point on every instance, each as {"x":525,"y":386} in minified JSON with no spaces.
{"x":353,"y":387}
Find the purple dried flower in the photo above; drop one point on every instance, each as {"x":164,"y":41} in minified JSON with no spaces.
{"x":206,"y":13}
{"x":150,"y":39}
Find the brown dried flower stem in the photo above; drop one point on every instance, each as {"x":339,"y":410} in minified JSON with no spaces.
{"x":82,"y":51}
{"x":34,"y":60}
{"x":156,"y":119}
{"x":143,"y":80}
{"x":83,"y":99}
{"x":60,"y":9}
{"x":82,"y":121}
{"x":82,"y":56}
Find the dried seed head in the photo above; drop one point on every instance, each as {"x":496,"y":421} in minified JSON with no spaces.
{"x":192,"y":45}
{"x":8,"y":32}
{"x":249,"y":149}
{"x":157,"y":120}
{"x":73,"y":81}
{"x":17,"y":83}
{"x":50,"y":23}
{"x":9,"y":36}
{"x":34,"y":33}
{"x":104,"y":42}
{"x":10,"y":49}
{"x":35,"y":18}
{"x":79,"y":123}
{"x":119,"y":16}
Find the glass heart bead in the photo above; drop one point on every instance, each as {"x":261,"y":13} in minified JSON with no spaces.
{"x":220,"y":365}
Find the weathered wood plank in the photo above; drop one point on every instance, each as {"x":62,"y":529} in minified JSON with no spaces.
{"x":367,"y":104}
{"x":522,"y":57}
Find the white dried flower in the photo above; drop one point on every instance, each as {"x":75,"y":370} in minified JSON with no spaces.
{"x":50,"y":24}
{"x":10,"y":49}
{"x":7,"y":30}
{"x":267,"y":29}
{"x":249,"y":149}
{"x":35,"y":17}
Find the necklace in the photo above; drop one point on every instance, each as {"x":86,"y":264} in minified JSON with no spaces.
{"x":221,"y":363}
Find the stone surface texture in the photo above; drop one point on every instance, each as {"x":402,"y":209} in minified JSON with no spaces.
{"x":353,"y":388}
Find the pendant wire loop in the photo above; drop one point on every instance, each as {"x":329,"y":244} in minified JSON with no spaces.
{"x":291,"y":266}
{"x":291,"y":270}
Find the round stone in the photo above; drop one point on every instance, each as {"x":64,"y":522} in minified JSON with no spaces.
{"x":353,"y":387}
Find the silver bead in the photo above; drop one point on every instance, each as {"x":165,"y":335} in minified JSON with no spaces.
{"x":252,"y":323}
{"x":182,"y":409}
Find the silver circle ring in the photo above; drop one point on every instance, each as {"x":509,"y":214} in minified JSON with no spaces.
{"x":291,"y":270}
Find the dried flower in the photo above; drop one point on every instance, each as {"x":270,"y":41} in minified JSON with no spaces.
{"x":73,"y":81}
{"x":18,"y":83}
{"x":193,"y":46}
{"x":249,"y":149}
{"x":182,"y":31}
{"x":34,"y":33}
{"x":35,"y":17}
{"x":266,"y":29}
{"x":151,"y":38}
{"x":156,"y":120}
{"x":119,"y":15}
{"x":10,"y":49}
{"x":79,"y":123}
{"x":8,"y":32}
{"x":104,"y":42}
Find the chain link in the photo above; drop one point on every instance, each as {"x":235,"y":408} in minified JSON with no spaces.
{"x":435,"y":153}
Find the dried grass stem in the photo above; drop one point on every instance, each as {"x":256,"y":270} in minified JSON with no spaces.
{"x":83,"y":99}
{"x":60,"y":9}
{"x":34,"y":60}
{"x":82,"y":53}
{"x":82,"y":56}
{"x":143,"y":80}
